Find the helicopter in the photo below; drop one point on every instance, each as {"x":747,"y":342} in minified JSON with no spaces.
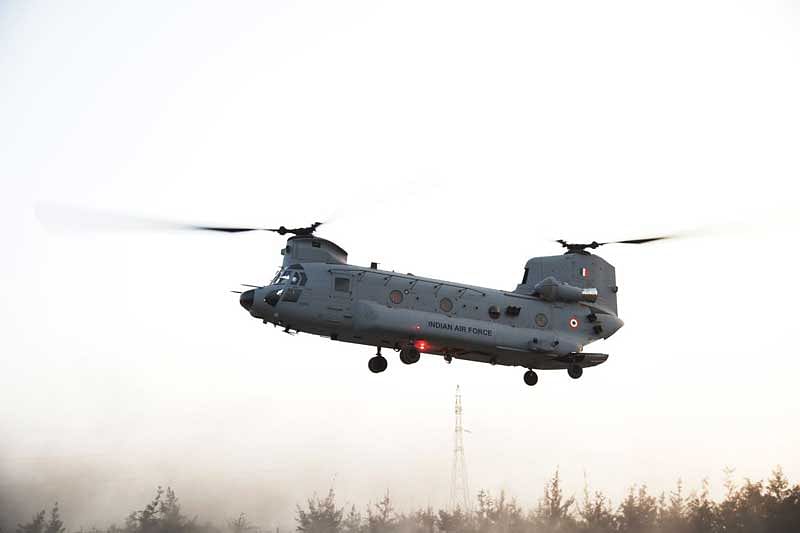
{"x":562,"y":304}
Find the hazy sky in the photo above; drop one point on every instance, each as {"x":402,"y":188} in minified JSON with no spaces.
{"x":452,"y":140}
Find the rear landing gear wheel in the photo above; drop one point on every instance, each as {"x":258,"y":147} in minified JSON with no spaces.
{"x":409,"y":355}
{"x":575,"y":371}
{"x":530,"y":378}
{"x":377,"y":364}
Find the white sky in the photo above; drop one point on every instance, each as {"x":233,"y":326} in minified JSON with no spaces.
{"x":451,"y":140}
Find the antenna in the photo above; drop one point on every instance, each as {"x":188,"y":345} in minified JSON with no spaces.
{"x":459,"y":484}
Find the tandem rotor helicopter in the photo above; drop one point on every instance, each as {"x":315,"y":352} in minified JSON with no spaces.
{"x":562,"y":304}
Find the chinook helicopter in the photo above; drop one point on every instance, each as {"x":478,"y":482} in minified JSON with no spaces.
{"x":562,"y":304}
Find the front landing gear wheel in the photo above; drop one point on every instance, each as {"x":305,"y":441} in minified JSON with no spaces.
{"x":409,"y":355}
{"x":530,"y":378}
{"x":575,"y":371}
{"x":377,"y":364}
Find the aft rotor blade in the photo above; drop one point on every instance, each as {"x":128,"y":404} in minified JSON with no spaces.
{"x":582,"y":247}
{"x":640,"y":241}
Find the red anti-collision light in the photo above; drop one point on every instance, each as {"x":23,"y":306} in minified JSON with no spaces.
{"x":421,"y":346}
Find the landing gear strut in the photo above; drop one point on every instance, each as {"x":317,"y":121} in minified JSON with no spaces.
{"x":378,"y":363}
{"x":530,"y":378}
{"x":409,"y":355}
{"x":575,"y":371}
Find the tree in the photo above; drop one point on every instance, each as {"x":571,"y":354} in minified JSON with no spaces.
{"x":637,"y":512}
{"x":146,"y":520}
{"x":322,"y":515}
{"x":36,"y":525}
{"x":55,"y":524}
{"x":783,"y":503}
{"x":553,"y":512}
{"x":498,"y":515}
{"x":420,"y":521}
{"x":702,"y":512}
{"x":426,"y":520}
{"x":171,"y":518}
{"x":352,"y":523}
{"x":240,"y":525}
{"x":596,"y":513}
{"x":161,"y":515}
{"x":456,"y":521}
{"x":382,"y":519}
{"x":672,"y":517}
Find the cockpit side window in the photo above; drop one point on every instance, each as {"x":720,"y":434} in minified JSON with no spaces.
{"x":525,"y":277}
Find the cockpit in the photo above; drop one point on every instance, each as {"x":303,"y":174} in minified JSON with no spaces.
{"x":281,"y":277}
{"x":287,"y":285}
{"x":289,"y":276}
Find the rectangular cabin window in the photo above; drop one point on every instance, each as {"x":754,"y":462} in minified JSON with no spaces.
{"x":525,"y":277}
{"x":342,"y":284}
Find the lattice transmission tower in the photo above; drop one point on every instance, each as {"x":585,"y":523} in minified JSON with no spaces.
{"x":459,"y":483}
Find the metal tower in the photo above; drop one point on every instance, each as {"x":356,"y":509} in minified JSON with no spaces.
{"x":459,"y":484}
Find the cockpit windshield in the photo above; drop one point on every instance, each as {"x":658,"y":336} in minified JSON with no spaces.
{"x":281,"y":277}
{"x":286,"y":277}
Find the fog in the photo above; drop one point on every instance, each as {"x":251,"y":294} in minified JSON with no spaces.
{"x":451,"y":140}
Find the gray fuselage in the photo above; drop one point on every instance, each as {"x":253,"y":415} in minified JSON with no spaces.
{"x":317,"y":292}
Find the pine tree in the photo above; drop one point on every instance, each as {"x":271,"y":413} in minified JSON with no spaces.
{"x":638,"y":511}
{"x":36,"y":525}
{"x":672,"y":517}
{"x":701,"y":512}
{"x":382,"y":519}
{"x":596,"y":513}
{"x":352,"y":523}
{"x":553,"y":512}
{"x":322,"y":516}
{"x":54,"y":525}
{"x":426,"y":519}
{"x":456,"y":521}
{"x":240,"y":525}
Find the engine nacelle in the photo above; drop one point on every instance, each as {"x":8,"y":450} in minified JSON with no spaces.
{"x":581,"y":270}
{"x":552,"y":290}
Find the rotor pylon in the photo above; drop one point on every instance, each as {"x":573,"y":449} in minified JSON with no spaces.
{"x":459,"y":482}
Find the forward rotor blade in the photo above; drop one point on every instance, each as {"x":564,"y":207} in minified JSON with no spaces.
{"x":225,"y":229}
{"x":63,"y":217}
{"x":308,"y":230}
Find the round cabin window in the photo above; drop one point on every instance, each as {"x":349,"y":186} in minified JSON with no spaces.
{"x":494,"y":311}
{"x":396,"y":297}
{"x":541,"y":320}
{"x":446,"y":305}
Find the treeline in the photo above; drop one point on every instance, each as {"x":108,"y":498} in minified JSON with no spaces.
{"x":771,"y":506}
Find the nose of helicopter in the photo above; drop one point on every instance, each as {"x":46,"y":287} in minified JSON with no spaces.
{"x":246,"y":299}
